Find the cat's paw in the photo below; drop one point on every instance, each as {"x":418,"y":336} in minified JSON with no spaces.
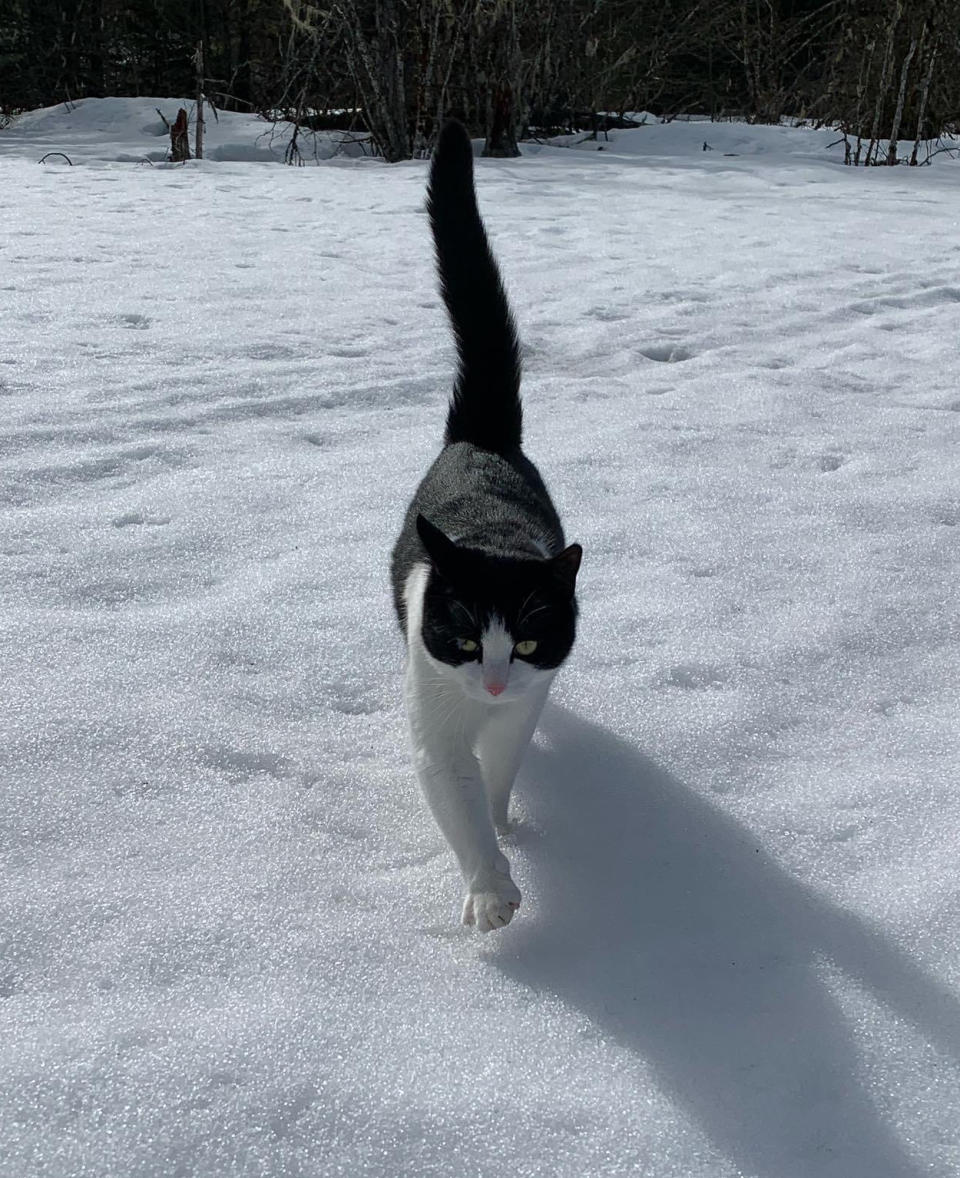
{"x":491,"y":909}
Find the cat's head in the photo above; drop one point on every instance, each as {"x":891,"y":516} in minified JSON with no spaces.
{"x":500,"y":623}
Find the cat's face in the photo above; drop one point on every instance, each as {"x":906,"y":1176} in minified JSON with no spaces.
{"x":499,"y":623}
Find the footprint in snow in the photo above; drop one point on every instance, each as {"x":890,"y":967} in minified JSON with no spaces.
{"x":271,"y":352}
{"x":691,"y":677}
{"x":356,"y":707}
{"x":607,"y":314}
{"x":667,"y":353}
{"x":134,"y":519}
{"x":934,"y":296}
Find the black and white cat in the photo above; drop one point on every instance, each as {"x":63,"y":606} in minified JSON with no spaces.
{"x":483,"y":584}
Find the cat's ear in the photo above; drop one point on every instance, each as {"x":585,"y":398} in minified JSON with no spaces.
{"x":441,"y":550}
{"x":566,"y":565}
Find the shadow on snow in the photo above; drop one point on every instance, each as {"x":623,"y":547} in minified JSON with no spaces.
{"x":666,"y":924}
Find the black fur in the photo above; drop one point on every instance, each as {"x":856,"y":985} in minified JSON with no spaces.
{"x":485,"y":408}
{"x":482,"y":518}
{"x":534,"y":599}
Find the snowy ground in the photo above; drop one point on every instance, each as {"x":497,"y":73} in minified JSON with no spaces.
{"x":227,"y":925}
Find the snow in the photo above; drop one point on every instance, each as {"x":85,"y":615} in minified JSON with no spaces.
{"x":228,"y":941}
{"x":137,"y":130}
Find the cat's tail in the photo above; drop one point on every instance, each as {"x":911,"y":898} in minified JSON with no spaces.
{"x":485,"y":407}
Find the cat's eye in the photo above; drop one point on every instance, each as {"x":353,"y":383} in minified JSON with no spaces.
{"x":527,"y":647}
{"x":467,"y":645}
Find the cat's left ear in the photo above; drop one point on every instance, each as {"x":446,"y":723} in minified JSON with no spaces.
{"x":441,"y":550}
{"x":566,"y":565}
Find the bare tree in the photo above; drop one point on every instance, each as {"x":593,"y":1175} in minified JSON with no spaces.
{"x":901,"y":96}
{"x":198,"y":138}
{"x":394,"y":68}
{"x":924,"y":97}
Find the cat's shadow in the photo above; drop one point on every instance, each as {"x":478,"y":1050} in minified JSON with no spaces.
{"x":667,"y":924}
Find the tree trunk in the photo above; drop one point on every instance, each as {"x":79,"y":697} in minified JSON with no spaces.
{"x":502,"y":133}
{"x":198,"y":149}
{"x":504,"y":75}
{"x":884,"y":84}
{"x":924,"y":94}
{"x":901,"y":95}
{"x":376,"y":63}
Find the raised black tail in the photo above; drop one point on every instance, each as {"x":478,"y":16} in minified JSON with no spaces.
{"x":485,"y":407}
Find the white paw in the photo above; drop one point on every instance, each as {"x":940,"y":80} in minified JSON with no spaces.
{"x":491,"y":909}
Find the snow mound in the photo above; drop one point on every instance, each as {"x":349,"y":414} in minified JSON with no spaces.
{"x":728,"y":140}
{"x":128,"y":130}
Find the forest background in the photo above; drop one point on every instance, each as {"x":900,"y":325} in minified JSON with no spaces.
{"x":882,"y":72}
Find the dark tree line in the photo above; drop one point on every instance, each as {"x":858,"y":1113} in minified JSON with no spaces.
{"x":60,"y":50}
{"x":885,"y":72}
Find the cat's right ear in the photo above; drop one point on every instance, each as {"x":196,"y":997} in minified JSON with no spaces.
{"x":441,"y":550}
{"x":566,"y":565}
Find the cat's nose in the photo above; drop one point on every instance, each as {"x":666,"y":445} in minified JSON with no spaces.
{"x":495,"y":672}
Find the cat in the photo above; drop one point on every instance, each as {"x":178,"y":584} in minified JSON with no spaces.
{"x":483,"y":583}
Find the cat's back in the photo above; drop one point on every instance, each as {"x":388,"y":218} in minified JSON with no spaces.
{"x":494,"y":502}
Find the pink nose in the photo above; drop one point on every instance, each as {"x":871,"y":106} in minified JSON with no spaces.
{"x":495,"y":688}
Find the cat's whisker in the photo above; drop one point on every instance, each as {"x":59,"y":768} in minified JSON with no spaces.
{"x":532,"y":614}
{"x":449,"y":712}
{"x":526,"y":600}
{"x":471,"y":616}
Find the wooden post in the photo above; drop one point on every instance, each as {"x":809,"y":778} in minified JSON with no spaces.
{"x":179,"y":138}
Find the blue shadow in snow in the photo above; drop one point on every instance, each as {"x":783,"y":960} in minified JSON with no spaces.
{"x":665,"y":923}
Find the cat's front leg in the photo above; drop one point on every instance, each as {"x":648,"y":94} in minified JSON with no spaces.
{"x":502,"y":741}
{"x":455,"y":793}
{"x":450,"y":778}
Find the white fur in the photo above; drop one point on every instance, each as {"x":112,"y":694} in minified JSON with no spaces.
{"x":467,"y":747}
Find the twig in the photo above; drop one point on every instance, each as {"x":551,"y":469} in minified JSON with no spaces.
{"x":232,"y":98}
{"x":292,"y":155}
